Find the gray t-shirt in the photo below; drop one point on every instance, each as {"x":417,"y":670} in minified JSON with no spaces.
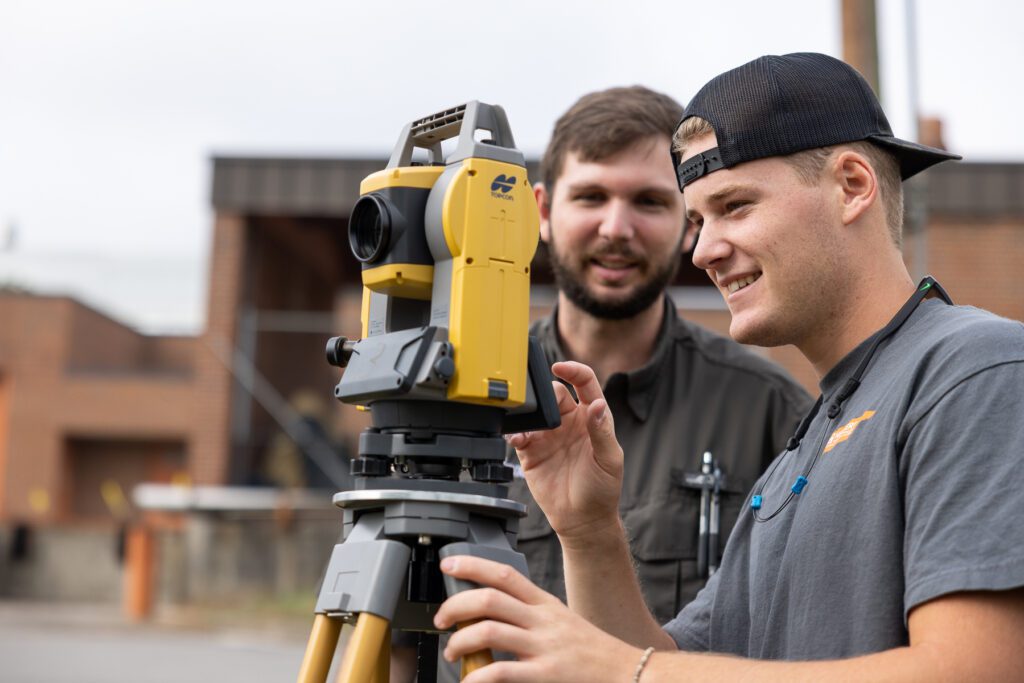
{"x":917,"y":493}
{"x":698,"y":392}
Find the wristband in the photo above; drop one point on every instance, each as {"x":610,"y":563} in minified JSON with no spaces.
{"x":643,"y":662}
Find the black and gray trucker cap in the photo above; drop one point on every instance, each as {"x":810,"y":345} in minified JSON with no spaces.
{"x":778,"y":105}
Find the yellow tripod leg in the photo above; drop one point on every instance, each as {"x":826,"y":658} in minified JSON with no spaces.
{"x":384,"y":660}
{"x":474,"y":660}
{"x":316,"y":663}
{"x":362,"y":660}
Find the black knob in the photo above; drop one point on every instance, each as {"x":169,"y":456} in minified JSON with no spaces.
{"x":339,"y":350}
{"x":491,"y":472}
{"x":444,"y":367}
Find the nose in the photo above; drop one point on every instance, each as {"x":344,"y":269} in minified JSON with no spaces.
{"x":617,"y":222}
{"x":711,"y":249}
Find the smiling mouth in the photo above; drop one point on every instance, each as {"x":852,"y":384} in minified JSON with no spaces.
{"x":613,"y":265}
{"x":737,"y":285}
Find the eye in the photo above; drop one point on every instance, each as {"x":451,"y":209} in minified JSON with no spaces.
{"x":651,"y":201}
{"x":736,"y":204}
{"x":589,"y":197}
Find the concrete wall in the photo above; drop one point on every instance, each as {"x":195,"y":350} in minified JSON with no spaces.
{"x":243,"y":555}
{"x":61,"y":564}
{"x":210,"y":559}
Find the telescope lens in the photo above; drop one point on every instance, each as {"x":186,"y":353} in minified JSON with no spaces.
{"x":369,"y":228}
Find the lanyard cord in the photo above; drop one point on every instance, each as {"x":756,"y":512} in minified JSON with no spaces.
{"x":927,"y":285}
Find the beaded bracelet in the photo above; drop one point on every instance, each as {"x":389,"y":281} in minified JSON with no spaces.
{"x":643,"y":662}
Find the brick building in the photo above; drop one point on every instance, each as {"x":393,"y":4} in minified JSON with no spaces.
{"x":974,"y":213}
{"x":89,"y":407}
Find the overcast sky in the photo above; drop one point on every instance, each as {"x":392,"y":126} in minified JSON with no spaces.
{"x":110,"y":110}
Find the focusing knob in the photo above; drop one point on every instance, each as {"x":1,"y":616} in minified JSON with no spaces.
{"x":444,"y":367}
{"x":491,"y":472}
{"x":339,"y":350}
{"x":369,"y":467}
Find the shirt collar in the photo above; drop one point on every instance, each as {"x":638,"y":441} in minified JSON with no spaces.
{"x":844,"y":369}
{"x":638,"y":384}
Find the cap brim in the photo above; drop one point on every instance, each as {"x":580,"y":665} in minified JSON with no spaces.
{"x":913,"y":157}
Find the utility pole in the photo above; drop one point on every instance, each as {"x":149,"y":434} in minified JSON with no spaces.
{"x":860,"y":39}
{"x":860,"y":50}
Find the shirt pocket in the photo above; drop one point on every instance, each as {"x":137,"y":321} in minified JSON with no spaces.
{"x":664,"y":537}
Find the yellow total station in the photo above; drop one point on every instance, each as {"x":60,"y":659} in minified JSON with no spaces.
{"x":448,"y":244}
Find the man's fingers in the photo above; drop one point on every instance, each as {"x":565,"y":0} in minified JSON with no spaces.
{"x":566,"y":403}
{"x":601,"y":427}
{"x":505,"y":672}
{"x":519,"y":440}
{"x":487,"y":635}
{"x":601,"y":424}
{"x":493,"y":574}
{"x":481,"y":603}
{"x":581,"y":377}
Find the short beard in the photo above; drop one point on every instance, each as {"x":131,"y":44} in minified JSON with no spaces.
{"x":630,"y":307}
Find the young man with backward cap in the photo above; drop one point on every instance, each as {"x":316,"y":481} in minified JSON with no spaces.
{"x":614,"y":223}
{"x":884,"y":543}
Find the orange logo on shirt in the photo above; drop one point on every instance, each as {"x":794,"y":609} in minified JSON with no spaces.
{"x":846,"y":431}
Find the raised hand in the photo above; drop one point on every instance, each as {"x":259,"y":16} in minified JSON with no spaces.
{"x":513,"y":615}
{"x":575,"y":471}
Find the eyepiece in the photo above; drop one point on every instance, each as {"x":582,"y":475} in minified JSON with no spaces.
{"x":369,"y":228}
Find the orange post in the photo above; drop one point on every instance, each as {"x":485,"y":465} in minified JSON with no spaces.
{"x":138,"y":572}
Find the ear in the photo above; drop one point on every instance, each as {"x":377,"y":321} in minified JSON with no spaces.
{"x":540,"y":193}
{"x":857,"y":185}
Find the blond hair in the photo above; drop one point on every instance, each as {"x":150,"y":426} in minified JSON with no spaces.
{"x":810,"y":163}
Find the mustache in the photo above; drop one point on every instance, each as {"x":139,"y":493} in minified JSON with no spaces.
{"x":619,"y":249}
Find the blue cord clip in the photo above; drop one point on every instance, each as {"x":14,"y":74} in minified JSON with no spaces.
{"x":799,"y":484}
{"x":755,"y":502}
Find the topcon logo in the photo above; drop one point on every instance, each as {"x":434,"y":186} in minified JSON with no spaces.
{"x":502,"y":185}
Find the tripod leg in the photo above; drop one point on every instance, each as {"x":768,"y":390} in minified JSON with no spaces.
{"x":383,"y":672}
{"x":475,"y":660}
{"x":320,"y":649}
{"x":362,"y":660}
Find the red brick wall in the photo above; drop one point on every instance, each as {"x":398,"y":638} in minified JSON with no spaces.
{"x":90,"y":464}
{"x":170,"y":354}
{"x":209,"y":464}
{"x":47,"y":404}
{"x":33,"y":337}
{"x":97,"y":343}
{"x":980,"y":263}
{"x":4,"y":435}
